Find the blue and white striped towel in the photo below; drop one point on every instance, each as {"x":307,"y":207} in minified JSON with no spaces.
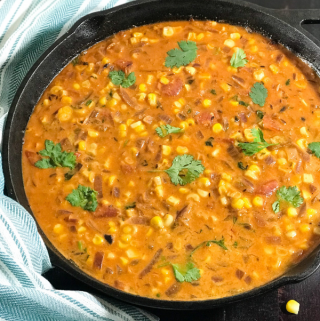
{"x":27,"y":29}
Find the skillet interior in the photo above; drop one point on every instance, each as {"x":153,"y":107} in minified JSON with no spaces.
{"x":98,"y":26}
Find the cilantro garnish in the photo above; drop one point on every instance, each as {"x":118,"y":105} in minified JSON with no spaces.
{"x":258,"y":94}
{"x":84,"y":197}
{"x":315,"y":148}
{"x":57,"y":158}
{"x":238,"y":59}
{"x":213,"y":92}
{"x":241,"y":166}
{"x":183,"y":56}
{"x":260,"y":114}
{"x":208,"y":243}
{"x":184,"y":170}
{"x":257,"y":145}
{"x":291,"y":195}
{"x":165,"y":130}
{"x":119,"y":78}
{"x":187,"y":274}
{"x":130,"y":205}
{"x":288,"y":82}
{"x":209,"y":141}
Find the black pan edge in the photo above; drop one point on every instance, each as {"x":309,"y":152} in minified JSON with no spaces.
{"x":89,"y":30}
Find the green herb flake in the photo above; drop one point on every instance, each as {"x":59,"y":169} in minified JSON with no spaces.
{"x":315,"y":148}
{"x":259,"y":94}
{"x":88,"y":102}
{"x":183,"y":56}
{"x":84,"y":197}
{"x":288,"y":82}
{"x":243,"y":103}
{"x":235,"y":244}
{"x":290,"y":194}
{"x":165,"y":130}
{"x":75,"y":61}
{"x":130,"y":205}
{"x":209,"y":142}
{"x":257,"y":145}
{"x":118,"y":78}
{"x":184,"y":170}
{"x":188,"y":273}
{"x":57,"y":158}
{"x":79,"y":244}
{"x":213,"y":92}
{"x":208,"y":243}
{"x":238,"y":59}
{"x":241,"y":166}
{"x":260,"y":114}
{"x":189,"y":111}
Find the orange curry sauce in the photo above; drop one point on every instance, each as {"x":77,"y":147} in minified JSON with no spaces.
{"x":146,"y":235}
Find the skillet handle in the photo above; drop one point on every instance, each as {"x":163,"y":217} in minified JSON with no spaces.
{"x":295,"y":17}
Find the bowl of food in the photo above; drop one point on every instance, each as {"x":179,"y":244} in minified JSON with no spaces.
{"x":171,"y":158}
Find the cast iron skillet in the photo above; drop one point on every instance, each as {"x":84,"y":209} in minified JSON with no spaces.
{"x":281,"y":26}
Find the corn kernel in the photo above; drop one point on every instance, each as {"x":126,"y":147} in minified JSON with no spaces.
{"x":302,"y":143}
{"x":177,"y":70}
{"x":292,"y":212}
{"x":125,"y":238}
{"x":164,"y":80}
{"x":293,"y":306}
{"x":194,"y":197}
{"x":58,"y":228}
{"x":191,"y":70}
{"x":182,"y":150}
{"x":56,"y":90}
{"x":229,"y":43}
{"x":251,"y":174}
{"x":168,"y":220}
{"x":225,"y":87}
{"x":316,"y":230}
{"x":235,"y":36}
{"x":93,"y":133}
{"x":274,"y":68}
{"x":66,"y":100}
{"x":97,"y":239}
{"x":206,"y":103}
{"x":311,"y":212}
{"x":301,"y":84}
{"x":103,"y":101}
{"x":168,"y":31}
{"x":157,"y":181}
{"x":159,"y":191}
{"x":183,"y":190}
{"x":282,"y":161}
{"x":253,"y":48}
{"x":105,"y":60}
{"x":305,"y":228}
{"x":143,"y":87}
{"x":217,"y":128}
{"x":234,"y":103}
{"x":204,"y":181}
{"x":202,"y":193}
{"x":307,"y":178}
{"x":46,"y":102}
{"x":111,"y":180}
{"x":81,"y":230}
{"x":306,"y":195}
{"x":291,"y":234}
{"x":258,"y":201}
{"x":65,"y":113}
{"x":157,"y":222}
{"x":166,"y":150}
{"x":303,"y":131}
{"x":226,"y":177}
{"x":130,"y":212}
{"x":258,"y":75}
{"x":76,"y":86}
{"x":248,"y":134}
{"x":200,"y":36}
{"x":247,"y":203}
{"x":173,"y":200}
{"x":237,"y":203}
{"x":82,"y":145}
{"x":152,"y":99}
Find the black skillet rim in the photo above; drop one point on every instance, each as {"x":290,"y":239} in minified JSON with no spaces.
{"x":298,"y":273}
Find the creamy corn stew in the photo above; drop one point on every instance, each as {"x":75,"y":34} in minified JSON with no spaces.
{"x":178,"y":160}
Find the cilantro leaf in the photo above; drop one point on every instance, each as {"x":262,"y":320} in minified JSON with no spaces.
{"x":315,"y":148}
{"x":129,"y":81}
{"x":290,"y":195}
{"x":88,"y":102}
{"x":188,"y":274}
{"x":213,"y":92}
{"x":84,"y":197}
{"x":243,"y":103}
{"x":208,"y":243}
{"x":260,"y":114}
{"x":130,"y":205}
{"x":57,"y":158}
{"x":258,"y":94}
{"x":119,"y":78}
{"x":288,"y":82}
{"x":183,"y":56}
{"x":185,"y":169}
{"x":209,"y":141}
{"x":257,"y":145}
{"x":238,"y":59}
{"x":165,"y":130}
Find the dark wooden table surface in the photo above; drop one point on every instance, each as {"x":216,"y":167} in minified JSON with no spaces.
{"x":268,"y":307}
